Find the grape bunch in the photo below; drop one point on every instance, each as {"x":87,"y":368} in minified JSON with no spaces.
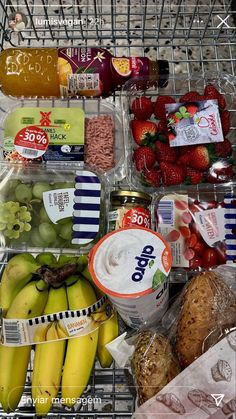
{"x":14,"y":219}
{"x":24,"y":220}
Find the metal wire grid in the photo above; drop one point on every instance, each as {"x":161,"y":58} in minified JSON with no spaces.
{"x":193,"y":37}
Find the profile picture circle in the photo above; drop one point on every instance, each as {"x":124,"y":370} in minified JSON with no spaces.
{"x":17,"y":21}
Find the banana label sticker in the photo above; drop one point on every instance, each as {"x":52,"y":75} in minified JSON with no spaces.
{"x":57,"y":326}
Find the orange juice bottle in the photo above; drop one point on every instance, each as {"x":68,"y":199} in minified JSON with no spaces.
{"x":71,"y":72}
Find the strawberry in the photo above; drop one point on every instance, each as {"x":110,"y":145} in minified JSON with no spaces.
{"x":225,"y":121}
{"x":184,"y":157}
{"x":166,"y":153}
{"x":220,"y":174}
{"x":191,"y":97}
{"x":211,"y":92}
{"x":192,"y":109}
{"x":162,"y":127}
{"x":199,"y":158}
{"x":142,"y":107}
{"x":152,"y":176}
{"x":159,"y":106}
{"x":223,"y":149}
{"x":171,"y":174}
{"x":193,"y":176}
{"x":143,"y":131}
{"x":171,"y":136}
{"x":144,"y":157}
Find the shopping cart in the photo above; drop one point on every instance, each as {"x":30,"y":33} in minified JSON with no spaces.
{"x":192,"y":36}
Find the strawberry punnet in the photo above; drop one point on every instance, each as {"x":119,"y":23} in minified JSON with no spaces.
{"x":143,"y":131}
{"x":171,"y":174}
{"x":144,"y":158}
{"x":159,"y":106}
{"x":211,"y":92}
{"x":142,"y":107}
{"x":199,"y":158}
{"x":166,"y":153}
{"x":152,"y":176}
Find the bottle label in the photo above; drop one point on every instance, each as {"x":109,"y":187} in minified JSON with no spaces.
{"x":83,"y":71}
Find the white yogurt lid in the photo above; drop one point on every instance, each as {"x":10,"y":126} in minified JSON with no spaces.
{"x":130,"y":262}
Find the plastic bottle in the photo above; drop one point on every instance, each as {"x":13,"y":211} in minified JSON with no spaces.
{"x":71,"y":72}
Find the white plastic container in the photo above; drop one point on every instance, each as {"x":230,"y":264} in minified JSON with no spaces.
{"x":131,"y":266}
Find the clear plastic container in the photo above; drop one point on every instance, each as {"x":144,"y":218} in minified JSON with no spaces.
{"x":199,"y":224}
{"x":160,"y":171}
{"x":56,"y":208}
{"x":101,"y":122}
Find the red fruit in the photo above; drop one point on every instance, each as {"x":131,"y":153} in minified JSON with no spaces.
{"x":191,"y":97}
{"x":199,"y":158}
{"x":152,"y":176}
{"x":166,"y":153}
{"x":143,"y":131}
{"x":209,"y":258}
{"x":159,"y":106}
{"x":200,"y":247}
{"x":186,"y":217}
{"x":195,"y":229}
{"x":162,"y":127}
{"x":171,"y":136}
{"x":193,"y":176}
{"x":184,"y":159}
{"x":211,"y":92}
{"x":225,"y":121}
{"x":221,"y":253}
{"x":144,"y":158}
{"x":191,"y":241}
{"x":192,"y":109}
{"x":223,"y":149}
{"x":221,"y":174}
{"x":185,"y":231}
{"x":195,"y":263}
{"x":171,"y":174}
{"x":142,"y":107}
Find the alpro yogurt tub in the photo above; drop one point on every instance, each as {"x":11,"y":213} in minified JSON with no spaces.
{"x":131,"y":265}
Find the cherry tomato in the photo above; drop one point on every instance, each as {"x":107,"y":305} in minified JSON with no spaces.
{"x":192,"y":240}
{"x":199,"y":247}
{"x":195,"y":263}
{"x":221,"y":253}
{"x":209,"y":258}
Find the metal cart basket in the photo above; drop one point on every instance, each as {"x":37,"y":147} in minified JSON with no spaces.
{"x":193,"y":35}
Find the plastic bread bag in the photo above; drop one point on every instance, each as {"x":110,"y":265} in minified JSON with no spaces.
{"x":203,"y":313}
{"x":199,"y":224}
{"x":149,"y":359}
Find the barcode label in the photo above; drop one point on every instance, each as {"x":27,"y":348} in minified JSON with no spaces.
{"x":11,"y":332}
{"x":165,"y":212}
{"x":30,"y":152}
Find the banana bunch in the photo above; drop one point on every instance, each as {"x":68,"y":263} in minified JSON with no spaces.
{"x":63,"y":363}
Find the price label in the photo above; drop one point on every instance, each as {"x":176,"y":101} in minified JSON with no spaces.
{"x":137,"y":216}
{"x":31,"y":142}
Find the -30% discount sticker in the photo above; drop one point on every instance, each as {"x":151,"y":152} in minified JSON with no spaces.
{"x":31,"y":142}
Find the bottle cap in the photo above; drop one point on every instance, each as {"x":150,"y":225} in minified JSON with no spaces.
{"x":163,"y":73}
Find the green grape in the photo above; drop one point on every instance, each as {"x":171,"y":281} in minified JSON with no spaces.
{"x":66,"y":230}
{"x":13,"y":219}
{"x":59,"y":243}
{"x":47,"y":233}
{"x":44,"y":216}
{"x":27,"y":227}
{"x":23,"y":193}
{"x":63,"y":185}
{"x":39,"y":188}
{"x":36,"y":239}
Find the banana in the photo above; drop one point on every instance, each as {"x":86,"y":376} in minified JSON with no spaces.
{"x":46,"y":258}
{"x":63,"y":259}
{"x":107,"y":332}
{"x":49,"y":357}
{"x":29,"y":302}
{"x":81,"y":351}
{"x":17,"y":273}
{"x":41,"y":332}
{"x":61,"y":331}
